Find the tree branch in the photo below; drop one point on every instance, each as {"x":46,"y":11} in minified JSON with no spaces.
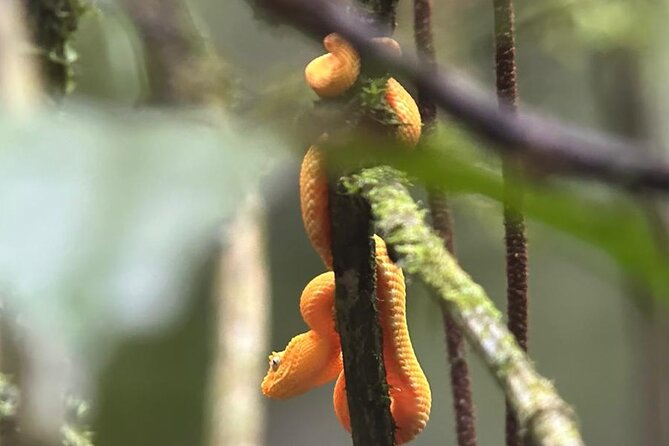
{"x":549,"y":146}
{"x":357,"y":317}
{"x":358,"y":321}
{"x":542,"y":414}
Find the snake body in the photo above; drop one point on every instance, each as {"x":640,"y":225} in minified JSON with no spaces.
{"x":314,"y":358}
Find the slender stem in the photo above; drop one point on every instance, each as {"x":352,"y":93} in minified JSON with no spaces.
{"x":424,"y":39}
{"x":505,"y":55}
{"x":514,"y":221}
{"x":542,"y":414}
{"x":463,"y":405}
{"x":516,"y":293}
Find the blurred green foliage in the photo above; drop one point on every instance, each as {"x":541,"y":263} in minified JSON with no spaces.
{"x":107,"y":211}
{"x":609,"y":219}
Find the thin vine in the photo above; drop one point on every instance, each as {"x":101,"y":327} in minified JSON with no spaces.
{"x":514,"y":222}
{"x":442,"y":222}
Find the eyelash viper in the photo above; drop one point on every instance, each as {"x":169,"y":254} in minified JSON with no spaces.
{"x":314,"y":358}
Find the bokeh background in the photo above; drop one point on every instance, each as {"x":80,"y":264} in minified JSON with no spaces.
{"x":151,"y":185}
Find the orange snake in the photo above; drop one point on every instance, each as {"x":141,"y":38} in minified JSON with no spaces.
{"x":314,"y":358}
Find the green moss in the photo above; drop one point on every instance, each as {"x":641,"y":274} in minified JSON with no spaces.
{"x":374,"y":105}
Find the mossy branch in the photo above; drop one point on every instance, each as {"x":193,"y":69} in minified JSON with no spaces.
{"x":543,"y":416}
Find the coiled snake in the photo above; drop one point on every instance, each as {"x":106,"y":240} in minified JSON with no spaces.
{"x":314,"y":358}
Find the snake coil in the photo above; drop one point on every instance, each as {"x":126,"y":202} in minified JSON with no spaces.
{"x":314,"y":358}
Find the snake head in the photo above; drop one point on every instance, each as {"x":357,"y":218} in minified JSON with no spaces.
{"x":307,"y":362}
{"x":275,"y":361}
{"x":290,"y":371}
{"x":273,"y":383}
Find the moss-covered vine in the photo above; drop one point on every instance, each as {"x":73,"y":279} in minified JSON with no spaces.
{"x":542,"y":414}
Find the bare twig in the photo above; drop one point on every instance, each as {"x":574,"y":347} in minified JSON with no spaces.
{"x":516,"y":281}
{"x":514,"y":221}
{"x":542,"y":414}
{"x":463,"y":405}
{"x":426,"y":53}
{"x":550,"y":147}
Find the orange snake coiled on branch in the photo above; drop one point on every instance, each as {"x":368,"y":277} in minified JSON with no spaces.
{"x":314,"y":358}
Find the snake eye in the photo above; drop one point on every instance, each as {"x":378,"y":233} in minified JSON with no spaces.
{"x":274,"y":363}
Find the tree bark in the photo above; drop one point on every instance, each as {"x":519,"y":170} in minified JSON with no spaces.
{"x":357,"y":317}
{"x":358,"y":321}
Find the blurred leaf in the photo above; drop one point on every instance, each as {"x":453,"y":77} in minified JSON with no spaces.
{"x":105,"y":215}
{"x":602,"y":24}
{"x":609,"y":220}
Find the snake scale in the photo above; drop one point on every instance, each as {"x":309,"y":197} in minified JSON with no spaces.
{"x":314,"y":358}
